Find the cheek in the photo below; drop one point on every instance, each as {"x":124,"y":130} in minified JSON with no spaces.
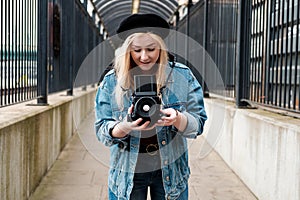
{"x":156,"y":55}
{"x":134,"y":56}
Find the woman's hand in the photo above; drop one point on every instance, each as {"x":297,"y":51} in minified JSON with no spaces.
{"x":123,"y":128}
{"x":173,"y":117}
{"x":169,"y":117}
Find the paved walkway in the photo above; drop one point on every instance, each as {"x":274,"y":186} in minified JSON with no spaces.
{"x":80,"y":172}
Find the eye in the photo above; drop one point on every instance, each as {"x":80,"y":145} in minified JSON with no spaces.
{"x":137,"y":50}
{"x":151,"y":49}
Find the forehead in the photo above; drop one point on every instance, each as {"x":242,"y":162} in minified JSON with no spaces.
{"x":144,"y":40}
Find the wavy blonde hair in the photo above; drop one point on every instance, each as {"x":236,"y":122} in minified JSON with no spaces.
{"x":123,"y":64}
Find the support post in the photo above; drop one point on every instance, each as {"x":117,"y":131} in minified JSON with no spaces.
{"x":42,"y":78}
{"x":243,"y":54}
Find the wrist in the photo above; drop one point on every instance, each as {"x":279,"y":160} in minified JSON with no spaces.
{"x":181,"y":121}
{"x":121,"y":130}
{"x":177,"y":114}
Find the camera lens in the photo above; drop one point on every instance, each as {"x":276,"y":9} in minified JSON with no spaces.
{"x":145,"y":106}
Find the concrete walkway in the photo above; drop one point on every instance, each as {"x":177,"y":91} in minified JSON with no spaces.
{"x":80,"y":172}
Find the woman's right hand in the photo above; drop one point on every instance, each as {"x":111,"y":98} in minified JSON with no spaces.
{"x":123,"y":128}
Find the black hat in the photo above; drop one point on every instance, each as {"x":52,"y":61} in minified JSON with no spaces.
{"x":143,"y":23}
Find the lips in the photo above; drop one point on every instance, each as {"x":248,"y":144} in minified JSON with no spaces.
{"x":145,"y":63}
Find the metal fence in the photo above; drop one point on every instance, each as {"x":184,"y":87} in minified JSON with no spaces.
{"x":43,"y":44}
{"x":256,"y":52}
{"x":274,"y":62}
{"x":18,"y":65}
{"x":213,"y":25}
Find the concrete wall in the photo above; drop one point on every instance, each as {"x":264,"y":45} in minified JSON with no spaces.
{"x":261,"y":147}
{"x":31,"y":138}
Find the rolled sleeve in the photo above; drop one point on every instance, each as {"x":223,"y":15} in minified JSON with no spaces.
{"x":195,"y":112}
{"x":103,"y":112}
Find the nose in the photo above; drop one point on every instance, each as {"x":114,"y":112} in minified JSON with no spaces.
{"x":144,"y":55}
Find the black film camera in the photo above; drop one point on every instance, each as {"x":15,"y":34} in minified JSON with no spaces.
{"x":145,"y":99}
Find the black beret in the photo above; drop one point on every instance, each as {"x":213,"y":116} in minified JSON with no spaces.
{"x":143,"y":23}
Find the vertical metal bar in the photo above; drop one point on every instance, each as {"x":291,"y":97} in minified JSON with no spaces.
{"x":242,"y":67}
{"x":5,"y":53}
{"x":277,"y":55}
{"x":256,"y":47}
{"x":16,"y":66}
{"x":19,"y":50}
{"x":205,"y":38}
{"x":296,"y":59}
{"x":22,"y":43}
{"x":72,"y":49}
{"x":254,"y":64}
{"x":291,"y":60}
{"x":42,"y":91}
{"x":253,"y":57}
{"x":262,"y":25}
{"x":1,"y":57}
{"x":29,"y":49}
{"x":13,"y":23}
{"x":252,"y":51}
{"x":272,"y":41}
{"x":281,"y":55}
{"x":25,"y":66}
{"x":268,"y":47}
{"x":9,"y":55}
{"x":261,"y":34}
{"x":85,"y":4}
{"x":188,"y":31}
{"x":285,"y":95}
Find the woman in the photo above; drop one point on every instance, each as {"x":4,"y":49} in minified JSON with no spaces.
{"x":152,"y":153}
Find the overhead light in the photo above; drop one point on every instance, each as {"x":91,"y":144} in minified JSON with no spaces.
{"x":135,"y":6}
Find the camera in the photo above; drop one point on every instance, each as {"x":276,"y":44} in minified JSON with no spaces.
{"x":146,"y":101}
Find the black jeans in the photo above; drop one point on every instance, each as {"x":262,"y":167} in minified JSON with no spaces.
{"x":142,"y":181}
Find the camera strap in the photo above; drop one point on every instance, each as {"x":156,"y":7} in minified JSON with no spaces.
{"x":167,"y":80}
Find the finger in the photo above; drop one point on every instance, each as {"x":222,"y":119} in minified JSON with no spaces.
{"x":137,"y":122}
{"x":144,"y":126}
{"x":151,"y":127}
{"x":130,"y":109}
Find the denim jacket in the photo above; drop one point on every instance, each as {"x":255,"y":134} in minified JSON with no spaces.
{"x":182,"y":92}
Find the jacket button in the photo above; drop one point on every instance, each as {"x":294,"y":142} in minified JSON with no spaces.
{"x":166,"y":162}
{"x":163,"y":142}
{"x":168,"y":197}
{"x":167,"y":178}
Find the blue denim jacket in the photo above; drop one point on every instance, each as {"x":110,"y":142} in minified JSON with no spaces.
{"x":182,"y":92}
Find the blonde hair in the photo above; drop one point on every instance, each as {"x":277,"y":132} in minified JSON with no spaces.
{"x":123,"y":64}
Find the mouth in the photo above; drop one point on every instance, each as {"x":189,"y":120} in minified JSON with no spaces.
{"x":145,"y":63}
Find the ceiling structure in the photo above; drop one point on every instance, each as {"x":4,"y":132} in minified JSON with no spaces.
{"x":112,"y":12}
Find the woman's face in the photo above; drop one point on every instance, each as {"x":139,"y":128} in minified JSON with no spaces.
{"x":145,"y":52}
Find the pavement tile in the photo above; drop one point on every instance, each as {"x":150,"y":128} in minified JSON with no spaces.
{"x":74,"y":155}
{"x":75,"y":165}
{"x":67,"y":192}
{"x":70,"y":177}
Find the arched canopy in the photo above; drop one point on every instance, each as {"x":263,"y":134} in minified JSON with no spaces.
{"x":112,"y":12}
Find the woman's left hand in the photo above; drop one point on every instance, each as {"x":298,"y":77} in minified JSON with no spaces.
{"x":169,"y":117}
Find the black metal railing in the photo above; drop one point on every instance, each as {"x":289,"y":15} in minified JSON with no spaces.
{"x":256,"y":52}
{"x":18,"y":53}
{"x":43,"y":44}
{"x":274,"y":63}
{"x":213,"y":24}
